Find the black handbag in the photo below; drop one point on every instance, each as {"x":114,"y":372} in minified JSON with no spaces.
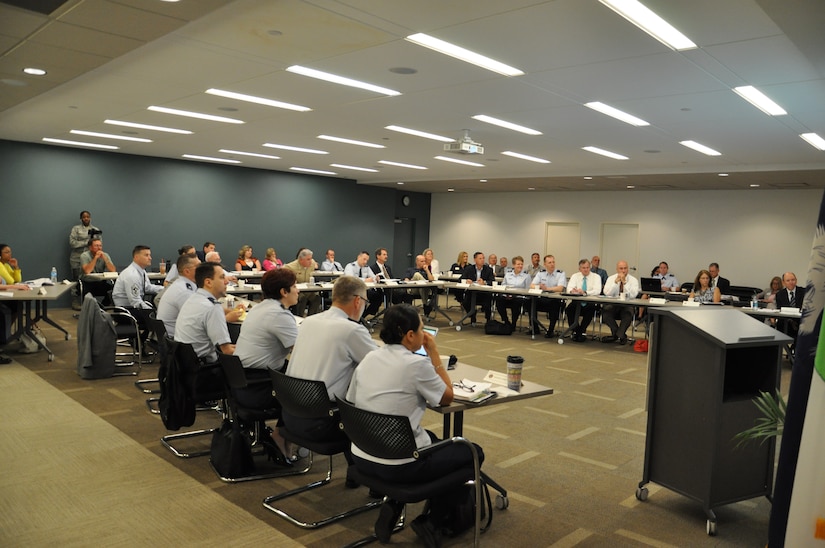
{"x":231,"y":451}
{"x":493,"y":327}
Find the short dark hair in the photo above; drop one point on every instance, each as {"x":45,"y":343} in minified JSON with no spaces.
{"x":84,"y":211}
{"x":92,"y":240}
{"x":379,"y":250}
{"x":275,"y":280}
{"x":398,"y":321}
{"x":138,"y":248}
{"x":184,"y":259}
{"x":205,"y":271}
{"x":664,"y":263}
{"x":584,"y":261}
{"x":186,"y":250}
{"x":712,"y":265}
{"x":477,"y":253}
{"x":207,"y":244}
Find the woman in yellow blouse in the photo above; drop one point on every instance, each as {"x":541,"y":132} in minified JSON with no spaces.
{"x":9,"y":270}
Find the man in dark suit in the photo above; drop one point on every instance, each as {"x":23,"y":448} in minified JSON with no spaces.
{"x":789,"y":296}
{"x":207,"y":247}
{"x":382,"y":271}
{"x":718,"y":281}
{"x":482,"y":274}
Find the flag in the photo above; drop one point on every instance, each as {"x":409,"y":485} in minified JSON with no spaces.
{"x":799,"y":491}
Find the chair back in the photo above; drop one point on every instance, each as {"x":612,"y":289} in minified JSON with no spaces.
{"x":301,"y":397}
{"x":382,"y":436}
{"x":232,"y":370}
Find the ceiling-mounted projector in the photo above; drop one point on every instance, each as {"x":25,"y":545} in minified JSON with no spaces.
{"x":464,"y":145}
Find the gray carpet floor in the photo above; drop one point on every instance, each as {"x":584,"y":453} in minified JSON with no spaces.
{"x":83,"y":464}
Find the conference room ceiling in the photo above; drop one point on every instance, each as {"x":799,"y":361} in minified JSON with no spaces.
{"x":112,"y":59}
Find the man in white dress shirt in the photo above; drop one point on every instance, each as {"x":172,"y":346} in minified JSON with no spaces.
{"x":619,"y":283}
{"x":588,"y":283}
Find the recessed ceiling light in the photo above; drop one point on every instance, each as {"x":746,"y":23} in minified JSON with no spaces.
{"x":617,"y":114}
{"x":588,"y":178}
{"x":648,"y":21}
{"x":399,"y":164}
{"x":814,"y":140}
{"x":463,"y":54}
{"x":211,"y":159}
{"x":417,"y":133}
{"x":79,"y":143}
{"x":145,"y":126}
{"x":525,"y":157}
{"x":110,"y":136}
{"x":482,"y":180}
{"x":450,"y":190}
{"x":256,"y":100}
{"x":505,"y":124}
{"x":399,"y":183}
{"x":307,"y":170}
{"x":34,"y":71}
{"x":296,"y":149}
{"x":456,"y":161}
{"x":531,"y":188}
{"x":601,"y":151}
{"x":253,"y":154}
{"x":343,"y":80}
{"x":350,"y":141}
{"x":356,"y":168}
{"x":630,"y":187}
{"x":698,"y":147}
{"x":190,"y":114}
{"x":759,"y":100}
{"x":754,"y":186}
{"x":723,"y":174}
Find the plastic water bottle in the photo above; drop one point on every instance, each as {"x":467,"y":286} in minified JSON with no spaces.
{"x":754,"y":303}
{"x":54,"y":275}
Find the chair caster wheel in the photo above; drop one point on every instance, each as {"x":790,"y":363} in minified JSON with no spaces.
{"x":711,"y":528}
{"x":561,"y":341}
{"x":642,"y":493}
{"x":458,"y":327}
{"x":502,"y":502}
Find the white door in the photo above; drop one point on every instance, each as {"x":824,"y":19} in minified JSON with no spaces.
{"x":563,"y":240}
{"x":620,"y":242}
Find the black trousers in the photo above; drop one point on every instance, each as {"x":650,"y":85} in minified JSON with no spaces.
{"x":552,"y":307}
{"x":585,"y":316}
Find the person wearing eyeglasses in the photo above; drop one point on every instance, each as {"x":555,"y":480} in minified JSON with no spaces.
{"x":394,"y":380}
{"x":329,"y":347}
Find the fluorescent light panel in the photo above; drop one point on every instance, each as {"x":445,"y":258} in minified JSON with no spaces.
{"x":648,"y":21}
{"x":253,"y":154}
{"x":211,"y":159}
{"x":456,"y":161}
{"x":759,"y":100}
{"x":463,"y":54}
{"x":343,"y":80}
{"x":399,"y":164}
{"x":350,"y":141}
{"x":814,"y":140}
{"x":356,"y":168}
{"x":110,"y":136}
{"x":199,"y":115}
{"x":145,"y":126}
{"x":296,"y":149}
{"x":417,"y":133}
{"x":698,"y":147}
{"x":505,"y":124}
{"x":79,"y":143}
{"x":603,"y":152}
{"x":616,"y":113}
{"x":307,"y":170}
{"x":257,"y":100}
{"x":525,"y":157}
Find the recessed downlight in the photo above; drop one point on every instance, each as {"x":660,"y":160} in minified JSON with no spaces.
{"x":34,"y":71}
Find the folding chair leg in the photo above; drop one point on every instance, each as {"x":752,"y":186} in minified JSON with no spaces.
{"x":267,"y":503}
{"x":167,"y":440}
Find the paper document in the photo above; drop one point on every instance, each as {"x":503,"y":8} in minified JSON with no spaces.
{"x":467,"y":390}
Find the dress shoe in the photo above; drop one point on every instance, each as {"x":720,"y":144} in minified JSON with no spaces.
{"x":622,"y":340}
{"x":427,"y":309}
{"x":609,"y":339}
{"x":550,"y":334}
{"x":387,"y":518}
{"x":425,"y":530}
{"x":579,"y":338}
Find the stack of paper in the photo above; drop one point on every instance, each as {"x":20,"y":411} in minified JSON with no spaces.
{"x":471,"y":391}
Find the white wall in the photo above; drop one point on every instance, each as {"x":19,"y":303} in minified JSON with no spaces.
{"x":752,"y":234}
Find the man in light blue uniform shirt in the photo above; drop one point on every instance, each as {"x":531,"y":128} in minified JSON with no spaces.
{"x":201,"y":321}
{"x":554,"y":281}
{"x":178,"y":292}
{"x":513,"y":279}
{"x":330,"y":264}
{"x":133,"y":287}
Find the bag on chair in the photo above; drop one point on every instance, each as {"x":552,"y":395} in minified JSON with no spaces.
{"x":231,"y":451}
{"x":493,"y":327}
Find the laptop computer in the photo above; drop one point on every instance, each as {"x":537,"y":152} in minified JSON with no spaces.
{"x":651,"y":285}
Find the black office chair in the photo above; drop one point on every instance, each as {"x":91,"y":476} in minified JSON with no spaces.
{"x":392,"y":437}
{"x":185,"y":383}
{"x":248,"y":418}
{"x":307,"y":399}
